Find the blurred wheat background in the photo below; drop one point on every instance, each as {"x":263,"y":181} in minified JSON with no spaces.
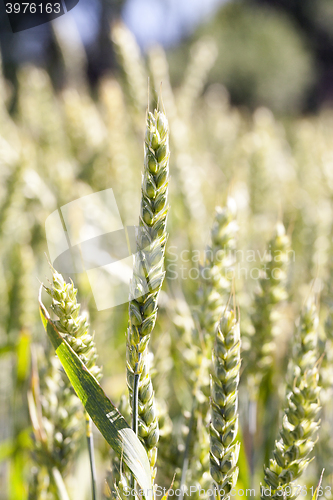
{"x":247,"y":96}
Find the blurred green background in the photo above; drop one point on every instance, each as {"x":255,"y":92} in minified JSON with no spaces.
{"x":247,"y":87}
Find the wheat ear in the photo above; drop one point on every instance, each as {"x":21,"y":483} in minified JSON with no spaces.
{"x":56,"y":416}
{"x":132,"y":63}
{"x":216,"y":273}
{"x":212,"y":296}
{"x":74,"y":328}
{"x":202,"y":58}
{"x":148,"y":275}
{"x":224,"y":405}
{"x":300,"y":422}
{"x":72,"y":325}
{"x":271,"y":292}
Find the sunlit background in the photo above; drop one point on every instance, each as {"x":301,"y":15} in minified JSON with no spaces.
{"x":274,"y":52}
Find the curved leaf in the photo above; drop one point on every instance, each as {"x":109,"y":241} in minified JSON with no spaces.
{"x":103,"y":413}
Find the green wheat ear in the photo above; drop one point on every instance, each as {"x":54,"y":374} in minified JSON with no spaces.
{"x":148,"y":275}
{"x":72,"y":325}
{"x":224,"y":450}
{"x":271,"y":293}
{"x":212,"y":296}
{"x":217,"y":271}
{"x":56,"y":415}
{"x":300,"y":422}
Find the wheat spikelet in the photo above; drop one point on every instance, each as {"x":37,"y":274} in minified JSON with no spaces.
{"x":169,"y":457}
{"x":198,"y":474}
{"x":73,"y":54}
{"x":300,"y":423}
{"x":216,"y":273}
{"x":271,"y":292}
{"x":72,"y":325}
{"x":148,"y":276}
{"x":325,"y":440}
{"x":215,"y":286}
{"x":224,"y":405}
{"x":62,"y":417}
{"x":21,"y":313}
{"x":266,"y":141}
{"x":74,"y":328}
{"x":38,"y":108}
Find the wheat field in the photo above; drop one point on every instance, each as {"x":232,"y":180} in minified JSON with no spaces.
{"x":213,"y":377}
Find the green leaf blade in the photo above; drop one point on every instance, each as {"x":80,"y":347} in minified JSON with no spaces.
{"x":101,"y":410}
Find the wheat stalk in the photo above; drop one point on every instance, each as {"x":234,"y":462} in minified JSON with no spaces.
{"x":148,"y":275}
{"x":299,"y":424}
{"x":224,"y":405}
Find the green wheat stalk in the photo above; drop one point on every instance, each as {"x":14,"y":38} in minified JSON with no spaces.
{"x":148,"y":275}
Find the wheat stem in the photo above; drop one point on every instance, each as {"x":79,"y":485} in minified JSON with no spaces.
{"x":59,"y":483}
{"x":135,"y":402}
{"x":90,"y":442}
